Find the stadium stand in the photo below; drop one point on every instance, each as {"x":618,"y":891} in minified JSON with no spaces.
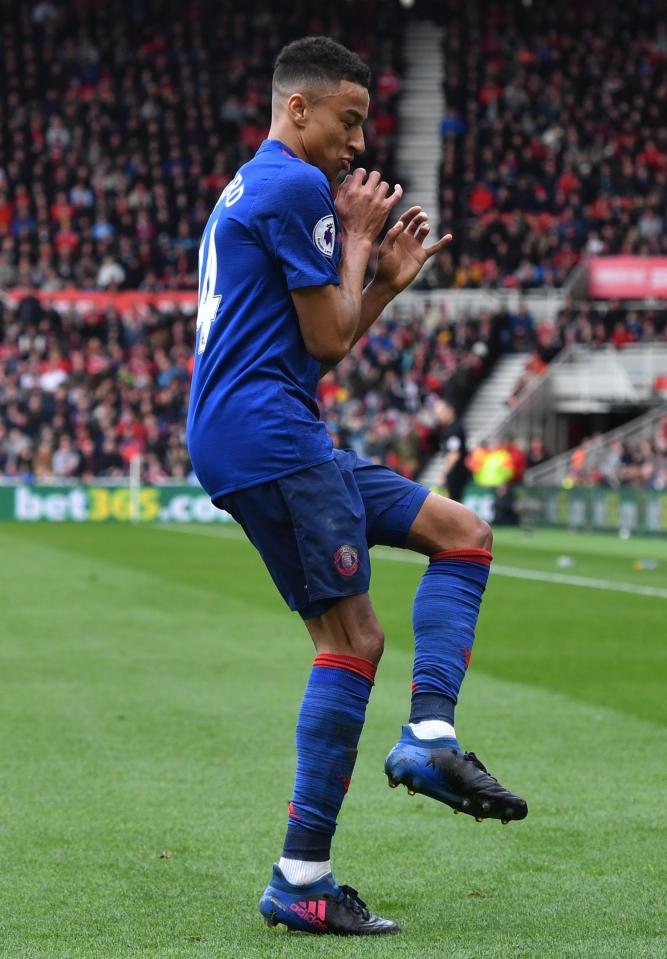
{"x":382,"y":399}
{"x":555,"y":128}
{"x":116,"y":139}
{"x":120,"y":124}
{"x":83,"y":390}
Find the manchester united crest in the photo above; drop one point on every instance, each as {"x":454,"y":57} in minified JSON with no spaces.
{"x":346,"y":559}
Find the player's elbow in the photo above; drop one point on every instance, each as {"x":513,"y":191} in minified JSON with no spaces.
{"x":326,"y":329}
{"x":328,"y":353}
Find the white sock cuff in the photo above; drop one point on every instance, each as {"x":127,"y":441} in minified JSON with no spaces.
{"x":302,"y":872}
{"x":433,"y":729}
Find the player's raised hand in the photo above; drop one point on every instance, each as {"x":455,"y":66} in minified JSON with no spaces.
{"x":402,"y":253}
{"x":363,"y":203}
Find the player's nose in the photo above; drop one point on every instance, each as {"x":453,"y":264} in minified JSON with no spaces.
{"x":357,"y":143}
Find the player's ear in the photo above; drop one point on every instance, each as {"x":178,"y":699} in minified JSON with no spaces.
{"x":297,"y":108}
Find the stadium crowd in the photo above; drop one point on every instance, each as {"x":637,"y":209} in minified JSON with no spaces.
{"x":640,"y":464}
{"x":83,"y":391}
{"x":555,"y":138}
{"x":383,"y":399}
{"x":120,"y":124}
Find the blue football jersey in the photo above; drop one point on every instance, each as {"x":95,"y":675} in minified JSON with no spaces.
{"x":253,"y":415}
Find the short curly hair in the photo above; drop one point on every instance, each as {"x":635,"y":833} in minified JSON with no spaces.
{"x":318,"y":61}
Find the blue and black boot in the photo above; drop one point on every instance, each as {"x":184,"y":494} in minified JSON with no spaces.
{"x":433,"y":767}
{"x":323,"y":908}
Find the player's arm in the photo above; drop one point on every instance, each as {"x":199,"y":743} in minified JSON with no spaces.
{"x":400,"y":258}
{"x":373,"y":301}
{"x":330,"y":316}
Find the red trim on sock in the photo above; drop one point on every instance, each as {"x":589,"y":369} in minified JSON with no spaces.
{"x":464,"y":556}
{"x":353,"y":664}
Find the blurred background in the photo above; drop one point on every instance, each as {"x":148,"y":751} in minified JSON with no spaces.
{"x":526,"y":370}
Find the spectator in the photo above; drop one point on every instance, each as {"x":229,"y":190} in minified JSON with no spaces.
{"x":111,"y":274}
{"x":42,"y":463}
{"x":66,"y":459}
{"x":536,"y":452}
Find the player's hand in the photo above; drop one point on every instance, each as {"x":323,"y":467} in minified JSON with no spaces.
{"x":363,"y":204}
{"x":402,"y":253}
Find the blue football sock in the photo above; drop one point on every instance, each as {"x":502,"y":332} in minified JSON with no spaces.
{"x":328,"y":729}
{"x":444,"y":618}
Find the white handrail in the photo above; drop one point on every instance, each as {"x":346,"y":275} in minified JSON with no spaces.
{"x":539,"y":384}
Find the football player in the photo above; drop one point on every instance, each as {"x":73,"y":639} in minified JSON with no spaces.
{"x":281,"y":299}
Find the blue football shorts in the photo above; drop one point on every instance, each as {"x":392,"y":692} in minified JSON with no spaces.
{"x":314,"y":528}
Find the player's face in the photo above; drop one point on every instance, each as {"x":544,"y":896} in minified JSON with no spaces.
{"x":334,"y":134}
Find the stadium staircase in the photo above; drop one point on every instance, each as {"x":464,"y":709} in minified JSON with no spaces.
{"x":421,"y":108}
{"x":487,"y":409}
{"x":581,"y":380}
{"x":489,"y":404}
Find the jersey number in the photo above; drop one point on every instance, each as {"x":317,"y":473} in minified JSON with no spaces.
{"x":208,"y":301}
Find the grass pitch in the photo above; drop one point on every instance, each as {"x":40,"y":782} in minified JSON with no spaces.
{"x":149,"y":684}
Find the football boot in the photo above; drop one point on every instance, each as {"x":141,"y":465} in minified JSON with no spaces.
{"x":433,"y":767}
{"x":323,"y":908}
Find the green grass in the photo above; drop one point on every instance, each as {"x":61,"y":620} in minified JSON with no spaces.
{"x":149,"y":683}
